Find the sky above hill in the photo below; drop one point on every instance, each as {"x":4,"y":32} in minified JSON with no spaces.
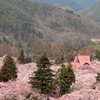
{"x":85,"y":3}
{"x":76,"y":5}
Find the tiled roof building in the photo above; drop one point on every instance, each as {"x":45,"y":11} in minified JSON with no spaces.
{"x":81,"y":60}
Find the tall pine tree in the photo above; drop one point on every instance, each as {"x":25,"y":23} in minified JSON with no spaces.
{"x":43,"y":77}
{"x":21,"y":57}
{"x":8,"y":70}
{"x":66,"y":78}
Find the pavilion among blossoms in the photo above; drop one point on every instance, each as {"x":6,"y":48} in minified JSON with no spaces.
{"x":82,"y":60}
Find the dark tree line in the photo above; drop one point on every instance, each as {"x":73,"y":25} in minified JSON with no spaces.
{"x":45,"y":80}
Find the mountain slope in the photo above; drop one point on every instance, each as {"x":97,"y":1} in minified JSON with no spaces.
{"x":62,"y":3}
{"x":93,"y":12}
{"x":14,"y":22}
{"x":28,"y":22}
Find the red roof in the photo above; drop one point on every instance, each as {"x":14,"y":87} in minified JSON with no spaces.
{"x":84,"y":59}
{"x":81,"y":60}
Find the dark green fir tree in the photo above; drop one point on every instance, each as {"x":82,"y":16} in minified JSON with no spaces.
{"x":66,"y":78}
{"x":21,"y":57}
{"x":43,"y":78}
{"x":98,"y":78}
{"x":8,"y":70}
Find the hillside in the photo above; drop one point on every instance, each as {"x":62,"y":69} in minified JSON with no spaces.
{"x":65,"y":4}
{"x":93,"y":12}
{"x":25,"y":22}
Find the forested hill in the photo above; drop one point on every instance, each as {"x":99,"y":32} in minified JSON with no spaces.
{"x":26,"y":22}
{"x":93,"y":12}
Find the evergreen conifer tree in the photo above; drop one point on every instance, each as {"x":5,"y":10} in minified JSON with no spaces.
{"x":21,"y":57}
{"x":66,"y":78}
{"x":43,"y":77}
{"x":98,"y":78}
{"x":8,"y":70}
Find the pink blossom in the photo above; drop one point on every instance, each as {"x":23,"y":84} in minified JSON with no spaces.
{"x":84,"y":88}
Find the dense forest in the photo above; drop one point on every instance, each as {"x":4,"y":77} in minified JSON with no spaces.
{"x":25,"y":22}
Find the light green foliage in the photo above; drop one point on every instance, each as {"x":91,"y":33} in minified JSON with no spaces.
{"x":43,"y":77}
{"x":97,"y":54}
{"x":96,"y":46}
{"x":66,"y":78}
{"x":8,"y":70}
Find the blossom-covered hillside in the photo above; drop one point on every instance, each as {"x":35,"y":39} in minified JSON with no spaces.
{"x":85,"y":87}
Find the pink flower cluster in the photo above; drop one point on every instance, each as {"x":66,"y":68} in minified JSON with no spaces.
{"x":84,"y":88}
{"x":16,"y":89}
